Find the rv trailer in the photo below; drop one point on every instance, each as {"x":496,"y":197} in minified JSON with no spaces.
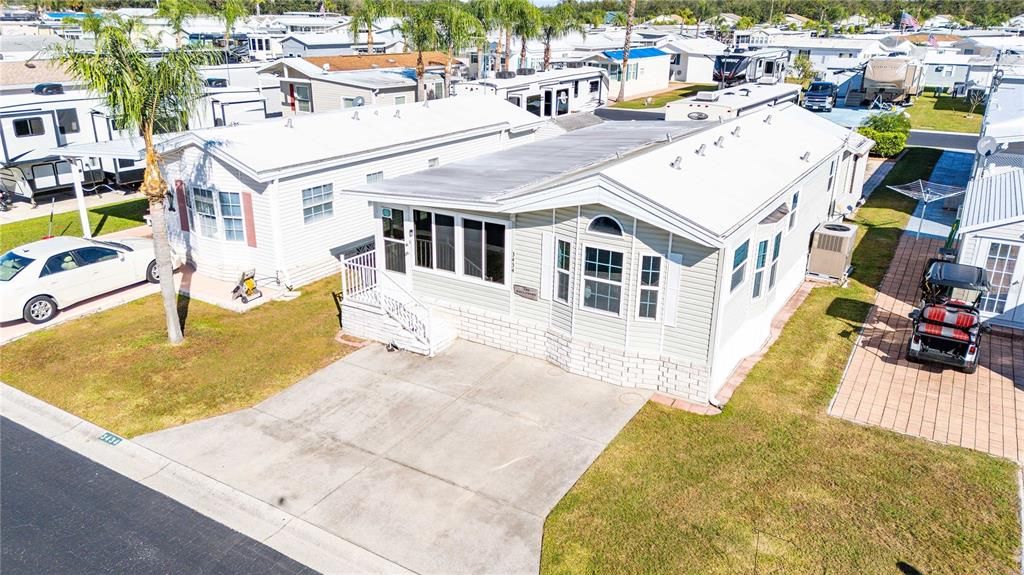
{"x":740,"y":65}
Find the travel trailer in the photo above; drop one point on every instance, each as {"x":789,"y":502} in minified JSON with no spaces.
{"x":545,"y":94}
{"x":731,"y":102}
{"x":739,"y":65}
{"x":890,"y":80}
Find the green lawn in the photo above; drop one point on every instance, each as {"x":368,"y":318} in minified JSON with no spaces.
{"x":103,"y":219}
{"x":659,"y":100}
{"x":945,"y":114}
{"x":115,"y":368}
{"x":774,"y":484}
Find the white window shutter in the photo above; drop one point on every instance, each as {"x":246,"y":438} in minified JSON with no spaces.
{"x":675,"y":262}
{"x":547,"y":264}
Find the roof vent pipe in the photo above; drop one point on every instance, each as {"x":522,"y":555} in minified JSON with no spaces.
{"x":677,"y":163}
{"x":668,"y":137}
{"x":288,"y":123}
{"x":768,"y":119}
{"x":720,"y":142}
{"x":736,"y":131}
{"x":701,"y":149}
{"x":806,"y":156}
{"x":355,"y":115}
{"x":398,"y":114}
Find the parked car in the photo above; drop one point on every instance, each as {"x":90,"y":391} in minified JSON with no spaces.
{"x":821,"y":96}
{"x":41,"y":278}
{"x":947,"y":325}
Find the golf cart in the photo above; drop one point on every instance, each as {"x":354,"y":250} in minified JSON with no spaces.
{"x":947,"y":324}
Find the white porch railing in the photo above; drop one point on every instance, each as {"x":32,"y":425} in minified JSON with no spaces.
{"x":362,"y":282}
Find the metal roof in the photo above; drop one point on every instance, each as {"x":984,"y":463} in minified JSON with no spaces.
{"x":993,"y":200}
{"x":485,"y":178}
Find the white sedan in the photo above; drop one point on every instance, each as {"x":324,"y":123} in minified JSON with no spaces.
{"x":40,"y":278}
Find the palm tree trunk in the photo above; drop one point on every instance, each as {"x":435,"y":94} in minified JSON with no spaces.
{"x":522,"y":53}
{"x":625,"y":51}
{"x":508,"y":49}
{"x":369,"y":39}
{"x":154,"y":188}
{"x":448,"y":74}
{"x":421,"y":88}
{"x":547,"y":53}
{"x":479,"y":62}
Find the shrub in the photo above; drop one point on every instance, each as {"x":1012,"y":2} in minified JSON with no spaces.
{"x":889,"y":122}
{"x":887,"y":144}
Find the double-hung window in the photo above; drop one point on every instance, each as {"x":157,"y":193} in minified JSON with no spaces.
{"x":317,"y":203}
{"x":483,"y":246}
{"x":563,"y":259}
{"x":792,"y":209}
{"x":602,"y":285}
{"x":374,"y":177}
{"x":303,"y":102}
{"x":759,"y":262}
{"x":650,"y":287}
{"x":205,"y":212}
{"x":231,"y":215}
{"x":776,"y":248}
{"x":739,"y":265}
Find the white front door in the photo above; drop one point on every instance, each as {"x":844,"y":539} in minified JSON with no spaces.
{"x":1002,"y":260}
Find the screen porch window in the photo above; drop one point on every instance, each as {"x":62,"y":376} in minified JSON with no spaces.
{"x":739,"y":265}
{"x":317,"y":203}
{"x":650,"y":286}
{"x":1001,"y":263}
{"x":602,"y":285}
{"x":483,"y":250}
{"x":563,"y":259}
{"x":424,"y":224}
{"x":759,"y":263}
{"x":776,"y":249}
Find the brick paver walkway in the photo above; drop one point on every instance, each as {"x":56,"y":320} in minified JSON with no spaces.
{"x":983,"y":411}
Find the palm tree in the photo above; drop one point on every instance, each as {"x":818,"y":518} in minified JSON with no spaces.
{"x":142,"y":94}
{"x":702,"y":12}
{"x":593,"y":18}
{"x":483,"y":10}
{"x":526,"y":27}
{"x":506,"y":14}
{"x":558,"y":22}
{"x":366,"y":16}
{"x":458,"y":29}
{"x":624,"y":70}
{"x":176,"y":12}
{"x":231,"y":12}
{"x":419,"y":30}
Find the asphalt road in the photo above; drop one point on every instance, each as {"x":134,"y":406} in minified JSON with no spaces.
{"x":943,"y":140}
{"x":63,"y":513}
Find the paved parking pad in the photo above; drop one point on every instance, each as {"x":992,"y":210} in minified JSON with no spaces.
{"x":440,"y":465}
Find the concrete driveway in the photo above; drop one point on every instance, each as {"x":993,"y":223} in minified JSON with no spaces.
{"x":443,"y":465}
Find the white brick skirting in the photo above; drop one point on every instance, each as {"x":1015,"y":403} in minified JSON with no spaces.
{"x":670,"y":375}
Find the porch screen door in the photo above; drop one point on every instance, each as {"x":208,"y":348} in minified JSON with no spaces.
{"x":393,"y":221}
{"x":1004,"y":275}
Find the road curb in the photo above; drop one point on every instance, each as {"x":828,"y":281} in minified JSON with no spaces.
{"x":279,"y":530}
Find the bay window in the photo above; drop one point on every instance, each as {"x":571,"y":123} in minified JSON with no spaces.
{"x":792,"y":209}
{"x":602,"y":285}
{"x":739,"y":265}
{"x":759,"y":263}
{"x":776,"y":248}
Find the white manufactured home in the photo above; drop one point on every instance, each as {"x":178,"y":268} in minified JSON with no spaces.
{"x":647,"y":70}
{"x":269,"y":196}
{"x":632,"y":252}
{"x":547,"y":94}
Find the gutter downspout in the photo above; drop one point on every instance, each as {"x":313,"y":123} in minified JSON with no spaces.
{"x":275,"y":230}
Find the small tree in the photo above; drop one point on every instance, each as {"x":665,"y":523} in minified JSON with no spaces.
{"x":143,"y":94}
{"x":975,"y":98}
{"x":804,"y":68}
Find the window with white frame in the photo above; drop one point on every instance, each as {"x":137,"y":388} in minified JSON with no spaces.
{"x":483,"y":250}
{"x":760,"y":260}
{"x":303,"y":101}
{"x":602,"y":285}
{"x":231,"y":216}
{"x":374,"y":177}
{"x":776,"y":249}
{"x":204,"y":212}
{"x":399,"y":100}
{"x":563,"y":259}
{"x":792,"y":209}
{"x":317,"y":203}
{"x":650,"y":287}
{"x":739,"y":265}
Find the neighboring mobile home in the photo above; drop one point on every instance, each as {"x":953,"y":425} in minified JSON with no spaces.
{"x":648,"y":254}
{"x":269,"y":197}
{"x":546,"y":94}
{"x":647,"y":70}
{"x":693,"y":59}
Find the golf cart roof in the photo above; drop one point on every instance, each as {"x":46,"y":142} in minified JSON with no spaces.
{"x":957,"y":276}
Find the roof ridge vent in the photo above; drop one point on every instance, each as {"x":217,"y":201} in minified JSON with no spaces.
{"x":720,"y":142}
{"x":701,"y":149}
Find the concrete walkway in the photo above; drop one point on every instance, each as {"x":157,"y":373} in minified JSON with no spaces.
{"x":62,"y":202}
{"x":442,"y":465}
{"x":952,"y":169}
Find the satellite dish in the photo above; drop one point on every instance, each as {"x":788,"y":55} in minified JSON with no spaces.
{"x":359,"y":101}
{"x":987,"y":145}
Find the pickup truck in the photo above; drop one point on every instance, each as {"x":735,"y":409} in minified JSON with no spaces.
{"x":821,"y":96}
